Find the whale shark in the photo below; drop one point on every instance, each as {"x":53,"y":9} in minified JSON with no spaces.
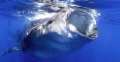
{"x":69,"y":29}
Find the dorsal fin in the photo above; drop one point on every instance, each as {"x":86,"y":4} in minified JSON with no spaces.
{"x":12,"y":49}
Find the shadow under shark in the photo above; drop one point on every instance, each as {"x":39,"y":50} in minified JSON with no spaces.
{"x":68,"y":30}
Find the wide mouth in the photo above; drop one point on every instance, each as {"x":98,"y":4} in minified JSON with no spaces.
{"x":84,"y":22}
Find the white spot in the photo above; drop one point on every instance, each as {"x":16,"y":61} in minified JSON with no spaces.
{"x":69,"y":35}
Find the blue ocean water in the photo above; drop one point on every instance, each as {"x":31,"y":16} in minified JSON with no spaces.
{"x":105,"y":48}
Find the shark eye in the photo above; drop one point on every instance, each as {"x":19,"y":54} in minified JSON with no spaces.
{"x":49,"y":22}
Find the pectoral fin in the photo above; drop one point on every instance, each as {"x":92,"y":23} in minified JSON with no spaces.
{"x":12,"y":49}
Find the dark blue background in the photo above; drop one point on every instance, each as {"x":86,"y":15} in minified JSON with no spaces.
{"x":106,"y":48}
